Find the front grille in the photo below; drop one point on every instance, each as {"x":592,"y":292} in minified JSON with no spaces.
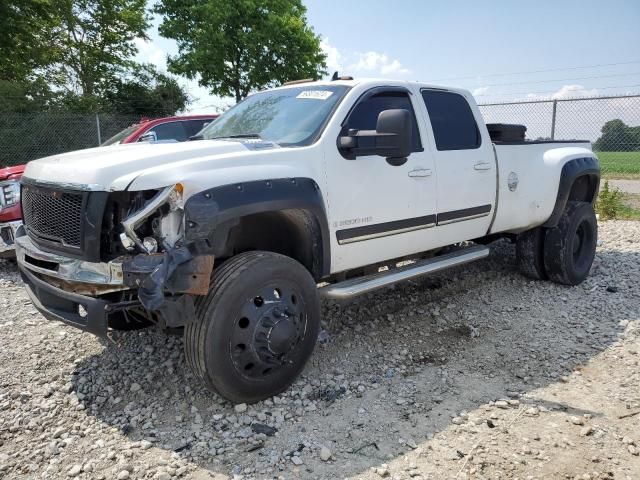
{"x":53,"y":215}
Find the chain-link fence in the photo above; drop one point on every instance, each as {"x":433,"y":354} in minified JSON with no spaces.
{"x":612,"y":124}
{"x":27,"y":136}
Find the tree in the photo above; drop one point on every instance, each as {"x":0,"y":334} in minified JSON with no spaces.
{"x":148,"y":93}
{"x":25,"y":28}
{"x":93,"y":43}
{"x":235,"y":47}
{"x":616,"y":137}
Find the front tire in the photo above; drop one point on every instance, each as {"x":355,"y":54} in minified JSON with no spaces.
{"x":570,"y":247}
{"x":257,"y":327}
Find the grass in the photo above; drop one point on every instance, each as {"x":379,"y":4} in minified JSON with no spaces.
{"x":630,"y":209}
{"x":620,"y":164}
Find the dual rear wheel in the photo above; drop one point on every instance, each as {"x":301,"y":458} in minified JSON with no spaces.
{"x":564,"y":253}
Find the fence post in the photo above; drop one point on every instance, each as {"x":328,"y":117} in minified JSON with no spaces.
{"x":98,"y":129}
{"x":553,"y":120}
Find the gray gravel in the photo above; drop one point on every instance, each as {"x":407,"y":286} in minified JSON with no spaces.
{"x":477,"y":373}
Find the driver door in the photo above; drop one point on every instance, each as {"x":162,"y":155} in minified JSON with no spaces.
{"x":378,"y":211}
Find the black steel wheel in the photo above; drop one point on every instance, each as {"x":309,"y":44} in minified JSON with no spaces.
{"x":570,"y":247}
{"x":257,"y":327}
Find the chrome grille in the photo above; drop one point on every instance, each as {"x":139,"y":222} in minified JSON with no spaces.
{"x":53,"y":215}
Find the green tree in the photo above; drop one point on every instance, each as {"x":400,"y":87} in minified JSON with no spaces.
{"x":93,"y":43}
{"x":148,"y":93}
{"x":235,"y":47}
{"x":25,"y":29}
{"x":616,"y":137}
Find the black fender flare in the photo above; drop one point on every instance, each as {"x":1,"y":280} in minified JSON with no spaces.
{"x":571,"y":171}
{"x":211,"y":213}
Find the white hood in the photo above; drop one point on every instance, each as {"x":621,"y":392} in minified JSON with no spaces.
{"x":100,"y":168}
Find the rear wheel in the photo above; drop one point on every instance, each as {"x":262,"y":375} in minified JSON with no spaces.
{"x":257,"y":327}
{"x":569,"y":247}
{"x":530,"y":253}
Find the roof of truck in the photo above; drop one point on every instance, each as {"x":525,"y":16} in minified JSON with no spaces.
{"x":374,"y":82}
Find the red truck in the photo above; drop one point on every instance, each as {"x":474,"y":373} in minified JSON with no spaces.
{"x":10,"y":212}
{"x":160,"y":129}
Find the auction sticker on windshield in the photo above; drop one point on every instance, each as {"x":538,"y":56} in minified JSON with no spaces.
{"x":315,"y":94}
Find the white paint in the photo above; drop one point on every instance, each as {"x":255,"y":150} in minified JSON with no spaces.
{"x":359,"y":192}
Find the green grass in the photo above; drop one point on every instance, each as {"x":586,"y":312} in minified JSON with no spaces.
{"x":619,"y":164}
{"x":630,"y":207}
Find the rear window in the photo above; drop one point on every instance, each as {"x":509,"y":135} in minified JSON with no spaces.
{"x":454,"y":126}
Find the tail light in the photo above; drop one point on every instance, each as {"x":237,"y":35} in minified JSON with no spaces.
{"x":9,"y":193}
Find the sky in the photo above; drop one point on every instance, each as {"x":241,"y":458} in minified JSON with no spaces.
{"x":500,"y":50}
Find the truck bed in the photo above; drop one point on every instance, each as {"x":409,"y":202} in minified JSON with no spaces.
{"x":528,"y":179}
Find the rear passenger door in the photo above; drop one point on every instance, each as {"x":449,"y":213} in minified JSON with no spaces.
{"x":465,"y":166}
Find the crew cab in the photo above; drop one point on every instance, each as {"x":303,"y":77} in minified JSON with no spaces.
{"x":10,"y":214}
{"x":313,"y":189}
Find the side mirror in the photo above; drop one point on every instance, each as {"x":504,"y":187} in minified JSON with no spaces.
{"x":392,"y":138}
{"x":148,"y":137}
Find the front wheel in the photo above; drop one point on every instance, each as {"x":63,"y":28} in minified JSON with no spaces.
{"x":570,"y":247}
{"x":257,"y":327}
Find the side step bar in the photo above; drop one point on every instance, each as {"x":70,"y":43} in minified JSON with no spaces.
{"x":358,"y":286}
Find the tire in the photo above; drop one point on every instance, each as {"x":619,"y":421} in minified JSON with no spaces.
{"x":569,"y":247}
{"x":256,"y":329}
{"x":530,"y":254}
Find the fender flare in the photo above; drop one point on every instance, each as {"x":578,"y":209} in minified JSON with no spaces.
{"x":571,"y":171}
{"x":210,"y":214}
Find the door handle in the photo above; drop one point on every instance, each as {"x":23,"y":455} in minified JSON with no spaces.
{"x":420,"y":172}
{"x":482,"y":166}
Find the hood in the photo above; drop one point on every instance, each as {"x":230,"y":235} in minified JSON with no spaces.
{"x":100,"y":168}
{"x":11,"y":173}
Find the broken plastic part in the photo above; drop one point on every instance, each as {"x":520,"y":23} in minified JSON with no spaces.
{"x":151,"y":291}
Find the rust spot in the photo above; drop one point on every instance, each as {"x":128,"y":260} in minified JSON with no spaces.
{"x":200,"y":275}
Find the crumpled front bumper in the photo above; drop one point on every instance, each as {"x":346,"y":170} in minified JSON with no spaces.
{"x":8,"y":237}
{"x":77,"y":292}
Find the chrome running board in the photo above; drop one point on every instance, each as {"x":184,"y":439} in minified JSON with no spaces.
{"x":358,"y":286}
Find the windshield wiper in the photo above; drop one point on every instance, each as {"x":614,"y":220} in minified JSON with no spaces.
{"x":239,"y":135}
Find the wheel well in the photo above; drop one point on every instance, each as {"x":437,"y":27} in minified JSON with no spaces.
{"x":295,"y":233}
{"x":584,"y":188}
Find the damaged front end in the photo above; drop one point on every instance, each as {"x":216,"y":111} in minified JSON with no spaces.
{"x":146,"y":274}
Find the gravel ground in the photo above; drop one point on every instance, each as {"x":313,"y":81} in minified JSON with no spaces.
{"x":626,"y":185}
{"x":478,"y":373}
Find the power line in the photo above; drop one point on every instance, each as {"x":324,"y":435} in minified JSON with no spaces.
{"x":473,"y":77}
{"x":561,"y":79}
{"x":549,"y":92}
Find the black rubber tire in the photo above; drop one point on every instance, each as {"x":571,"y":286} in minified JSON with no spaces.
{"x":207,"y":339}
{"x":570,"y":247}
{"x":530,"y":254}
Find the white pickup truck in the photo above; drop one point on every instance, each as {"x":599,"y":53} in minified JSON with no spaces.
{"x":314,"y":189}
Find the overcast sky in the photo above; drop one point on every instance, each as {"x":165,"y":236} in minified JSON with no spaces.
{"x":500,"y":50}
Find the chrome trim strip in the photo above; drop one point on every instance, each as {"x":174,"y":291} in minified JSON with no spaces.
{"x":69,"y":269}
{"x":385,"y":234}
{"x":82,"y":187}
{"x":462,"y":219}
{"x":358,"y":286}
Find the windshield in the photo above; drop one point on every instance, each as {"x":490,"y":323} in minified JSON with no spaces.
{"x":120,"y":136}
{"x":288,"y":117}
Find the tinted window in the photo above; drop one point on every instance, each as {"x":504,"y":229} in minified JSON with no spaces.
{"x":365,"y":115}
{"x":170,"y":131}
{"x":454,"y":127}
{"x":194,"y":126}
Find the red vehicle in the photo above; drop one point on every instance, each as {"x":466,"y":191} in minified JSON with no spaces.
{"x":166,"y":129}
{"x":10,"y":212}
{"x":176,"y":129}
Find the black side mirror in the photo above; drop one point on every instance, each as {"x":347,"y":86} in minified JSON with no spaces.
{"x":392,"y":138}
